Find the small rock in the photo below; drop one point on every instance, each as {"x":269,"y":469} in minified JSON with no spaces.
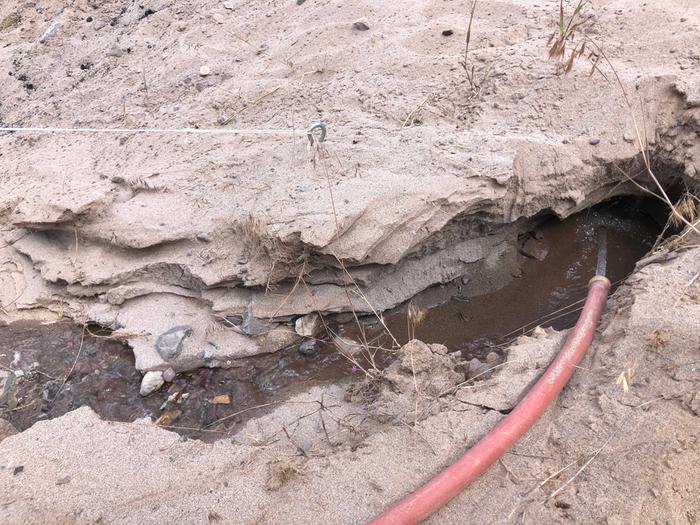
{"x":115,"y":51}
{"x":360,"y":25}
{"x":628,"y":137}
{"x":228,"y":5}
{"x":169,"y":344}
{"x":492,"y":358}
{"x":448,"y":32}
{"x":476,"y":367}
{"x":18,"y":469}
{"x":51,"y":31}
{"x":252,"y":325}
{"x":594,"y":141}
{"x":308,"y":347}
{"x":203,"y":237}
{"x":534,"y":249}
{"x":169,"y":375}
{"x":7,"y":429}
{"x":63,"y":481}
{"x":204,"y":71}
{"x":465,"y":279}
{"x":299,"y":2}
{"x":151,"y":382}
{"x":306,"y":326}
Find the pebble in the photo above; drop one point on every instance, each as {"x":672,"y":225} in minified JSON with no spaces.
{"x":628,"y":137}
{"x":594,"y":141}
{"x":151,"y":382}
{"x":534,"y":249}
{"x":299,"y":2}
{"x":115,"y":51}
{"x":203,"y":237}
{"x":492,"y":358}
{"x":204,"y":71}
{"x":476,"y":367}
{"x":465,"y":280}
{"x":360,"y":25}
{"x":169,"y":375}
{"x":306,"y":326}
{"x":169,"y":344}
{"x":308,"y":347}
{"x":447,"y":32}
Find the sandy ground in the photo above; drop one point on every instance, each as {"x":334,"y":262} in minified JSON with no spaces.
{"x":422,"y":179}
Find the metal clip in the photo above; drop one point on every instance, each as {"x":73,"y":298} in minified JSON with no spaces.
{"x":314,"y":127}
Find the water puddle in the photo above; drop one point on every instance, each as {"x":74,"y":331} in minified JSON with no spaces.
{"x":558,"y":262}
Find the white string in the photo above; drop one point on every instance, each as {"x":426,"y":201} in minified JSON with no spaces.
{"x":210,"y":131}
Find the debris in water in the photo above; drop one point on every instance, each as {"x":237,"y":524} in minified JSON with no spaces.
{"x":168,"y":417}
{"x":347,"y":346}
{"x":222,"y":399}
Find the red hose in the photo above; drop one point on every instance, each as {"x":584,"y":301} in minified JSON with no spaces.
{"x":451,"y":481}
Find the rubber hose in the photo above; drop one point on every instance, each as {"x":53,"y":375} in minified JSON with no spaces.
{"x":417,"y":506}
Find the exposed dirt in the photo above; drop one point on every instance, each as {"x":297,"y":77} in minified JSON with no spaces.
{"x":200,"y":249}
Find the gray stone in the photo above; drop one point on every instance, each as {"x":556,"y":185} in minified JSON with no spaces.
{"x":492,"y":358}
{"x":308,"y":347}
{"x":203,"y":237}
{"x":169,"y":344}
{"x":594,"y":141}
{"x":169,"y":375}
{"x":360,"y":25}
{"x":534,"y":249}
{"x":151,"y":382}
{"x":115,"y":51}
{"x":252,"y":325}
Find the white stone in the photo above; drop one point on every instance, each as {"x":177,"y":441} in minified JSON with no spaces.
{"x":151,"y":382}
{"x":306,"y":326}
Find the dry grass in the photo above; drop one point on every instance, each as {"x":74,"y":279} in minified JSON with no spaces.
{"x":569,"y":37}
{"x":475,"y":83}
{"x":573,"y":30}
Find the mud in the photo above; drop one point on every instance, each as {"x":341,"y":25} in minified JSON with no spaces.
{"x":545,"y":292}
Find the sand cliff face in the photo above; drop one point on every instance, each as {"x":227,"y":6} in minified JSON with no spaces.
{"x":423,"y":178}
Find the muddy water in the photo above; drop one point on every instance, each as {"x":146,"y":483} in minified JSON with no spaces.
{"x":547,"y":292}
{"x":61,"y":367}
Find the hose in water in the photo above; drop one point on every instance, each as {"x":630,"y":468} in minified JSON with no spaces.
{"x":433,"y":495}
